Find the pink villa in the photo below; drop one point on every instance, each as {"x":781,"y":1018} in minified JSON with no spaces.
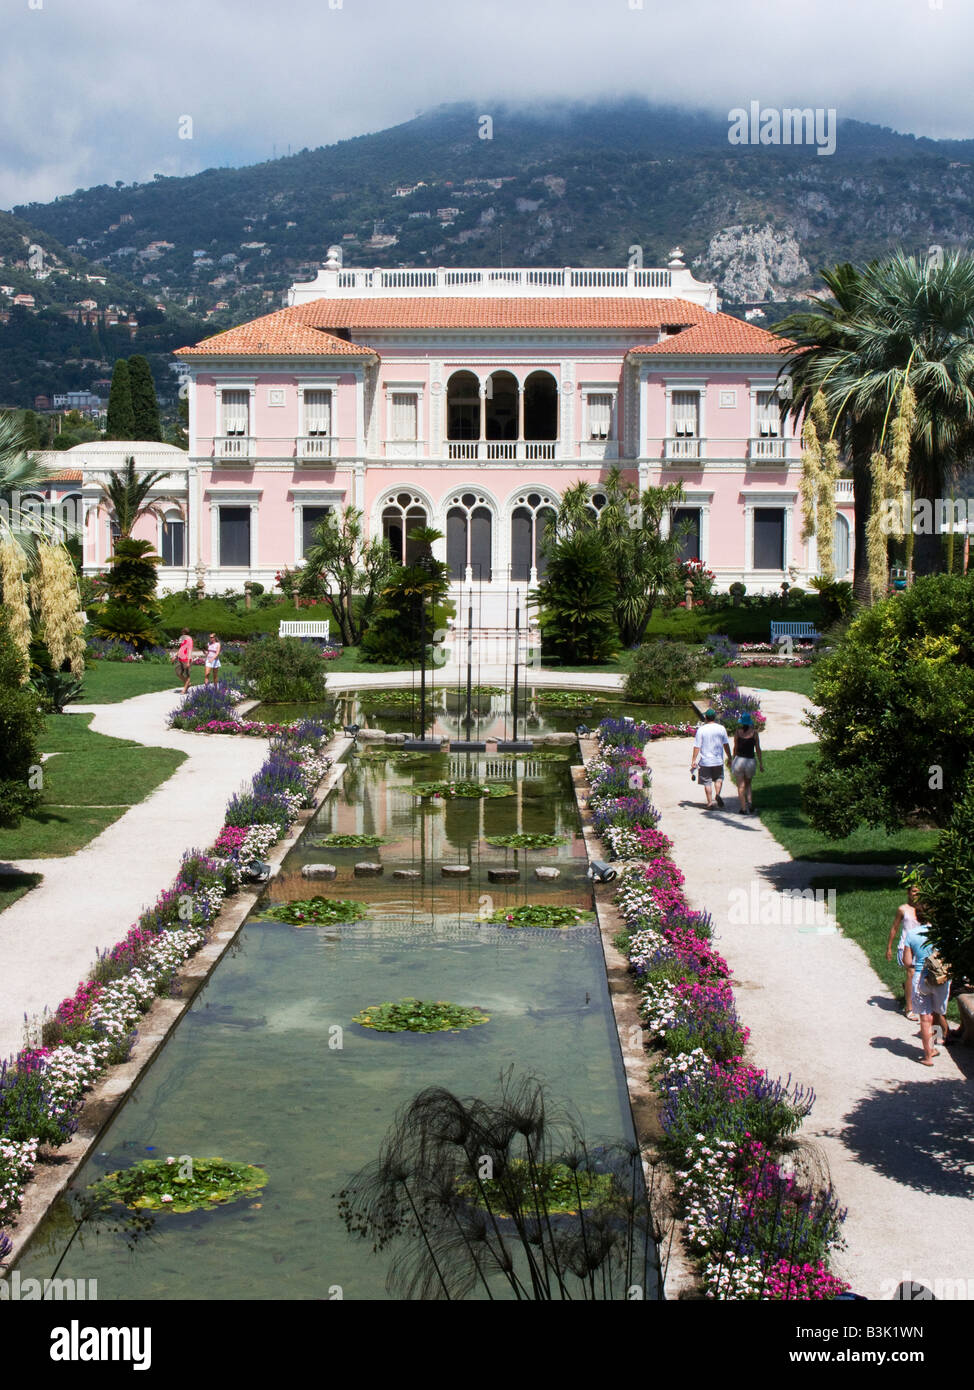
{"x":468,"y":400}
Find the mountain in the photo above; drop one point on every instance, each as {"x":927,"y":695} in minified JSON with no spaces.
{"x":553,"y":185}
{"x":55,"y":345}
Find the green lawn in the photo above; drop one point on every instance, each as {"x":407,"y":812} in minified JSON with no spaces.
{"x":351,"y":661}
{"x":14,"y":886}
{"x":798,"y":678}
{"x":777,"y":797}
{"x":107,"y":682}
{"x":90,"y":782}
{"x":865,"y":908}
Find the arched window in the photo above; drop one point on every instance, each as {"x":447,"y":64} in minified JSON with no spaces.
{"x":463,"y":406}
{"x":402,"y":513}
{"x":840,"y":547}
{"x":469,"y":525}
{"x":540,"y":406}
{"x":533,"y":513}
{"x":172,"y":542}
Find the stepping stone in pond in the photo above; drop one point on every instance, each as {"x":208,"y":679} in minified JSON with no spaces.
{"x":503,"y":875}
{"x":371,"y":735}
{"x":454,"y":870}
{"x":319,"y":871}
{"x":368,"y":870}
{"x":543,"y":873}
{"x":407,"y":873}
{"x":396,"y":738}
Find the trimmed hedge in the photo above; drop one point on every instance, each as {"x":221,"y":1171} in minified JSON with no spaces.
{"x":212,"y":615}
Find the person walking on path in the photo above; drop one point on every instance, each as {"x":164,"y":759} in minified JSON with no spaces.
{"x":212,"y":660}
{"x":931,"y":984}
{"x":709,"y":744}
{"x":905,"y":921}
{"x":747,"y":755}
{"x":184,"y":657}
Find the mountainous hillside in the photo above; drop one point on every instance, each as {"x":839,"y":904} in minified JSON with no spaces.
{"x":570,"y":185}
{"x":50,"y":343}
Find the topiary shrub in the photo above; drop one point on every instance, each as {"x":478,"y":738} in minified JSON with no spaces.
{"x":896,"y":742}
{"x":665,"y":673}
{"x":279,"y":669}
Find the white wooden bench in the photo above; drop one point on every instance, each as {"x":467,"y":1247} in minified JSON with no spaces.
{"x":319,"y":630}
{"x":799,"y":632}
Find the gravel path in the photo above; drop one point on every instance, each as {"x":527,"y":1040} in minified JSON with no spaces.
{"x":87,"y":901}
{"x":891,"y":1130}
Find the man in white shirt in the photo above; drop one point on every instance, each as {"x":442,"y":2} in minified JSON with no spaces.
{"x":709,"y":744}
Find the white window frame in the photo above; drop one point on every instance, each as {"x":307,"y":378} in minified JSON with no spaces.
{"x":693,"y":388}
{"x":785,"y":501}
{"x":242,"y":497}
{"x":404,"y":448}
{"x":311,"y":497}
{"x":305,"y":421}
{"x":173,"y":514}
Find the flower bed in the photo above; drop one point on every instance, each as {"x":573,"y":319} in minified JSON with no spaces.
{"x":729,"y":703}
{"x":758,"y":1225}
{"x":42,"y":1088}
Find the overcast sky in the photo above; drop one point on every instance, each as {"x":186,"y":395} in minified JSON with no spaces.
{"x":94,"y":89}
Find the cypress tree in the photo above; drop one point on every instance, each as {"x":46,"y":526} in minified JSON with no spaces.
{"x":145,"y":407}
{"x":121,"y":418}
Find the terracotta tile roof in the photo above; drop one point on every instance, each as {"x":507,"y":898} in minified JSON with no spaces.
{"x":718,"y":333}
{"x":65,"y":475}
{"x":282,"y":333}
{"x":302,"y":329}
{"x":522,"y":311}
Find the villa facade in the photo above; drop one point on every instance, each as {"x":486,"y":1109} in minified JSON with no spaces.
{"x":468,"y":400}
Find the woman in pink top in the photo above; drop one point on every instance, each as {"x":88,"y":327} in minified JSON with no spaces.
{"x":183,"y":658}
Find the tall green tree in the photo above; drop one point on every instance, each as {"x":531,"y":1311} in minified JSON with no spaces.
{"x":120,"y":423}
{"x":351,"y":571}
{"x":576,"y":599}
{"x":641,"y":552}
{"x":145,"y":406}
{"x":411,"y":605}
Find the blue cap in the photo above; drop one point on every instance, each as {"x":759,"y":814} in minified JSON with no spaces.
{"x":746,"y":721}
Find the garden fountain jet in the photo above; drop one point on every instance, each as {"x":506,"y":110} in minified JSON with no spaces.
{"x":468,"y":745}
{"x":513,"y":745}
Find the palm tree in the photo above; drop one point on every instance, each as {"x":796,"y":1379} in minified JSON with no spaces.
{"x":820,"y":334}
{"x":125,"y":494}
{"x":18,"y":471}
{"x":898,"y":321}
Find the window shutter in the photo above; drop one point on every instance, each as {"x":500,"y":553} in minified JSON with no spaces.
{"x":599,"y":416}
{"x":236,"y":412}
{"x":686,"y":411}
{"x":404,"y":415}
{"x":317,"y":412}
{"x":769,"y":418}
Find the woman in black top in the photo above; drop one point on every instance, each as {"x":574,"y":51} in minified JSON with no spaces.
{"x":747,"y":754}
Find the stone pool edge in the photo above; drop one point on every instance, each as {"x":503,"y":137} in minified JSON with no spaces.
{"x":58,"y":1167}
{"x":679,"y":1277}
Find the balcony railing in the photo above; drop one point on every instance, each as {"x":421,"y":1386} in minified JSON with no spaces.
{"x":844,"y":490}
{"x":314,"y":448}
{"x":767,"y":449}
{"x":234,"y":448}
{"x":673,"y":281}
{"x":309,"y":449}
{"x":683,"y":448}
{"x":505,"y":449}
